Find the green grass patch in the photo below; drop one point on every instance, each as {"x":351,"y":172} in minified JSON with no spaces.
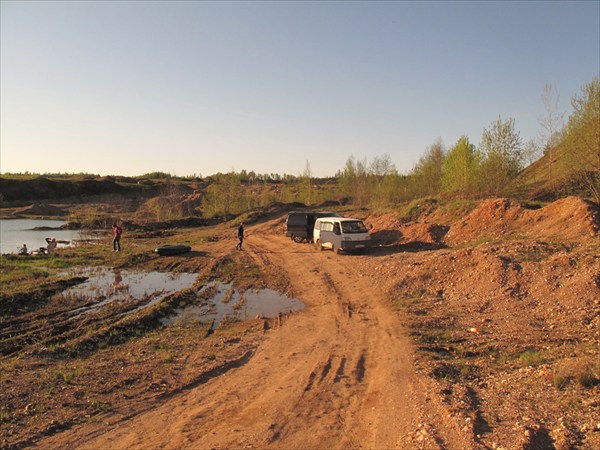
{"x":401,"y":298}
{"x":417,"y":208}
{"x":531,"y":358}
{"x":432,"y":336}
{"x":457,"y":209}
{"x":67,"y":374}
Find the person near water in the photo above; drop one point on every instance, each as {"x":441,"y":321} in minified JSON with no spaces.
{"x":51,"y":245}
{"x":240,"y":236}
{"x":23,"y":250}
{"x":117,"y":231}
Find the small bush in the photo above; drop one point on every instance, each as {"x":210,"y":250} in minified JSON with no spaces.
{"x":559,"y":381}
{"x":582,"y":371}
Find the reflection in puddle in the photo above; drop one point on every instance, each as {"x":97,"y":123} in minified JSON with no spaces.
{"x":106,"y":286}
{"x":127,"y":291}
{"x":226,"y":302}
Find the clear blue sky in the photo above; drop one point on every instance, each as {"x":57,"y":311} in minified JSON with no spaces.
{"x":127,"y":88}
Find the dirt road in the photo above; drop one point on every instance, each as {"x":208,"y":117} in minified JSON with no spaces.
{"x":338,"y":374}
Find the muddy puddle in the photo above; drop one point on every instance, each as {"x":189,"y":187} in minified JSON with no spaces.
{"x":128,"y":291}
{"x":223,"y":302}
{"x":106,"y":286}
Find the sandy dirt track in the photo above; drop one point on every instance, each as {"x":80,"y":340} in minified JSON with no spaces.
{"x":338,"y":374}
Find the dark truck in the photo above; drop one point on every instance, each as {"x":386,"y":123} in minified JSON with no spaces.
{"x":300,"y":224}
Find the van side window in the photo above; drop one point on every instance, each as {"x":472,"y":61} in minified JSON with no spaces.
{"x":326,"y":226}
{"x":354,"y":226}
{"x":336,"y":229}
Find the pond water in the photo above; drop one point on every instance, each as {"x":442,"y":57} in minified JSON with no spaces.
{"x":228,"y":302}
{"x":16,"y":232}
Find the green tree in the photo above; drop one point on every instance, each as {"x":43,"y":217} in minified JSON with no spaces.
{"x":459,"y":167}
{"x":346,"y":178}
{"x":383,"y":182}
{"x":580,"y":147}
{"x":426,"y":176}
{"x":502,"y":150}
{"x":224,"y":196}
{"x":353,"y":181}
{"x":382,"y":166}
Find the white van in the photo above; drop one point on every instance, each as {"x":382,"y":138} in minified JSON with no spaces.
{"x":340,"y":234}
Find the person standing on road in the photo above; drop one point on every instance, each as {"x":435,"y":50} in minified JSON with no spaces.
{"x":240,"y":236}
{"x":117,"y":231}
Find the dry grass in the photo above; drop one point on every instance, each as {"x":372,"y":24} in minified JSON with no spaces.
{"x":585,"y":371}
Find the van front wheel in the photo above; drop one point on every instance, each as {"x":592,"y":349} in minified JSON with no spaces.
{"x":319,"y":246}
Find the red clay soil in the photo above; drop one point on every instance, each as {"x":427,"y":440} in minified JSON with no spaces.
{"x":479,"y":333}
{"x":570,"y":218}
{"x":567,"y":219}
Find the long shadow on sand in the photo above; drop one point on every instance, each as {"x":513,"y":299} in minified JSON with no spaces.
{"x":410,"y":247}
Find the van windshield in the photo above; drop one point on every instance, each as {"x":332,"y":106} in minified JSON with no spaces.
{"x":353,"y":226}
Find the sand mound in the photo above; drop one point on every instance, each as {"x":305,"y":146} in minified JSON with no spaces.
{"x":567,"y":219}
{"x":570,"y":218}
{"x":389,"y":229}
{"x":423,"y":232}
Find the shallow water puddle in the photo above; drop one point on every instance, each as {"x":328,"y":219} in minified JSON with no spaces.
{"x":226,"y":302}
{"x":112,"y":285}
{"x":136,"y":290}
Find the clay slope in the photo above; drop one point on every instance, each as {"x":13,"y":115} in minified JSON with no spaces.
{"x":567,"y":219}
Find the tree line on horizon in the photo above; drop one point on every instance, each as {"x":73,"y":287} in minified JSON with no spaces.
{"x":564,"y":156}
{"x":569,"y":156}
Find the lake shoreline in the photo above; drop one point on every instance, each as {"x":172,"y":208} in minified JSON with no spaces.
{"x":33,"y":233}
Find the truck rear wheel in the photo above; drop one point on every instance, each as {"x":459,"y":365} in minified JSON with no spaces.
{"x":297,"y":239}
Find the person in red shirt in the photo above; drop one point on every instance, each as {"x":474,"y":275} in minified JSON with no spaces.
{"x":117,"y":231}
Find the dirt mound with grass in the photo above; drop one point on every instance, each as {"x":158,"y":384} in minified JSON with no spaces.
{"x":567,"y":219}
{"x":390,"y":229}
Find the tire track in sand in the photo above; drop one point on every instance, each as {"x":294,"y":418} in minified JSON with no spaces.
{"x":336,"y":375}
